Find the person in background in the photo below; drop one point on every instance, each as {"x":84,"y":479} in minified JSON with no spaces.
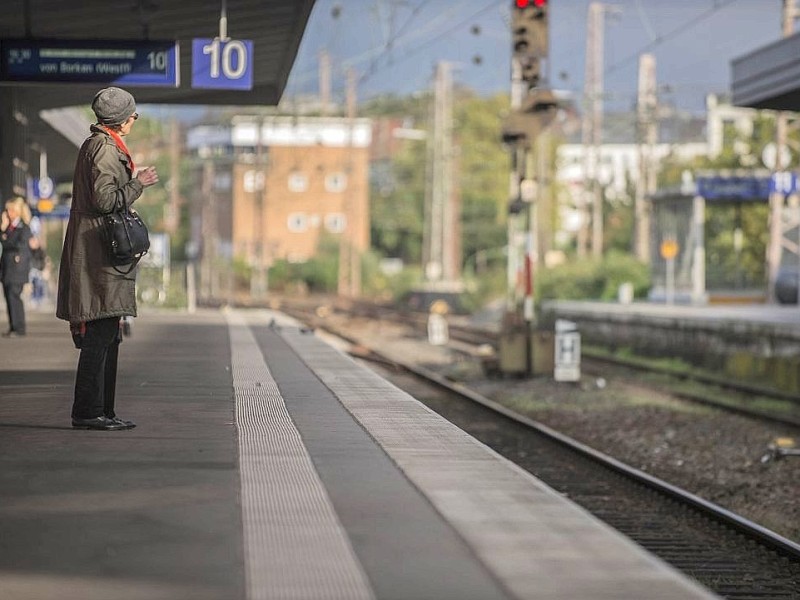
{"x":38,"y":263}
{"x":92,"y":294}
{"x":15,"y":262}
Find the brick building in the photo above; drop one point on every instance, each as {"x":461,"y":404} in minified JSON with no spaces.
{"x":287,"y":182}
{"x":295,"y":180}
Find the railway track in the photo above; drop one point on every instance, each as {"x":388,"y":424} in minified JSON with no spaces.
{"x":731,"y":555}
{"x":784,"y":408}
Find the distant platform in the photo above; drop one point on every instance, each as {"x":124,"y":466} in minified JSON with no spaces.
{"x":787,"y":318}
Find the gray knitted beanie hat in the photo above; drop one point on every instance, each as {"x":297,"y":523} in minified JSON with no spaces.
{"x":113,"y":106}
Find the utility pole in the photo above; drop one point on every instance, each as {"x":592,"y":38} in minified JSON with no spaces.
{"x":593,"y":128}
{"x":174,"y":206}
{"x":647,"y":121}
{"x":440,"y":218}
{"x":777,"y":199}
{"x":324,"y":82}
{"x":349,"y":279}
{"x":207,"y":258}
{"x":258,"y":279}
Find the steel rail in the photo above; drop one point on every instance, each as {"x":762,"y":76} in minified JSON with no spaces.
{"x":750,"y":528}
{"x":476,"y":336}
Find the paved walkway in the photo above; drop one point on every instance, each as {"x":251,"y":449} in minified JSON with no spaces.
{"x":148,"y":513}
{"x":268,"y":465}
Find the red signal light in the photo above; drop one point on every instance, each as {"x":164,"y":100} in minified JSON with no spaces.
{"x":527,"y":3}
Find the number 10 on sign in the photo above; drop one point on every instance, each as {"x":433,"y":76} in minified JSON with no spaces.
{"x":219,"y":64}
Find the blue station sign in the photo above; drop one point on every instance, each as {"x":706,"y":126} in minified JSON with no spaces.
{"x":222,"y":64}
{"x":734,"y":189}
{"x":131,"y":63}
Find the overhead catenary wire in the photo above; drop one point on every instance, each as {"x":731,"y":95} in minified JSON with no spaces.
{"x":407,"y":38}
{"x":395,"y":35}
{"x":684,"y":27}
{"x":375,"y":53}
{"x":433,"y":40}
{"x":645,"y":21}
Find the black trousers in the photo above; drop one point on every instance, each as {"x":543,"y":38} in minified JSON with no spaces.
{"x":16,"y":310}
{"x":96,"y":379}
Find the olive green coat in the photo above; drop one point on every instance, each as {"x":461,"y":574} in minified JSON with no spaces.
{"x":89,"y":287}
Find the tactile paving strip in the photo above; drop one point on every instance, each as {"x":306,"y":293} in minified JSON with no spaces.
{"x":295,"y":546}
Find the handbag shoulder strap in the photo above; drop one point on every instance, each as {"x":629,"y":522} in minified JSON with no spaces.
{"x":130,"y":268}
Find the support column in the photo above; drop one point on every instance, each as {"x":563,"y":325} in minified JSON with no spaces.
{"x":699,"y":295}
{"x":777,"y":198}
{"x":647,"y":135}
{"x":13,"y":151}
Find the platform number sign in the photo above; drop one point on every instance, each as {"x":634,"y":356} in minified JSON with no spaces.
{"x":222,"y":64}
{"x":783,"y":182}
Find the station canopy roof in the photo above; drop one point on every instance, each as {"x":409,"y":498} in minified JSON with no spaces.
{"x":275,"y":27}
{"x":769,"y":77}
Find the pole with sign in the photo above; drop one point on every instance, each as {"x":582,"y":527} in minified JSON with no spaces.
{"x":567,"y":352}
{"x":669,"y":250}
{"x":222,"y":63}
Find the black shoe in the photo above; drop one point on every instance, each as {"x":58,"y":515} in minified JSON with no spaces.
{"x":123,"y":422}
{"x":98,"y":423}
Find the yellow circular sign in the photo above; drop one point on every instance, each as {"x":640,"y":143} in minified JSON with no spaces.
{"x":45,"y":206}
{"x":669,"y":249}
{"x":440,"y":307}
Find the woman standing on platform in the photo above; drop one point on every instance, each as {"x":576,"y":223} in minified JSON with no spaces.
{"x":92,"y":294}
{"x":15,"y":262}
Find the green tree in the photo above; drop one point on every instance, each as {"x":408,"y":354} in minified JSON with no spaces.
{"x":398,"y":189}
{"x":151,"y":137}
{"x":396,"y":218}
{"x":483,"y":171}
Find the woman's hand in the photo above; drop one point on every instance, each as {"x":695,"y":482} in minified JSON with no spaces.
{"x":147,"y":176}
{"x":4,"y":221}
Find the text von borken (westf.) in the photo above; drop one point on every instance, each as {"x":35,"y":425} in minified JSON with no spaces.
{"x":105,"y":68}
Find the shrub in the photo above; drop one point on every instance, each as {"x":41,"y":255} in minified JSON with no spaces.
{"x":593,"y":279}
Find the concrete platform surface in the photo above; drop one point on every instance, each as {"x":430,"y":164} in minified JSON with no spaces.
{"x":267,"y":464}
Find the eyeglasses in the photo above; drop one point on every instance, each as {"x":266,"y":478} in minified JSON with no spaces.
{"x":135,"y":116}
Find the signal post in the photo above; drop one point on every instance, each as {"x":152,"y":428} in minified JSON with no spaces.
{"x":522,"y":348}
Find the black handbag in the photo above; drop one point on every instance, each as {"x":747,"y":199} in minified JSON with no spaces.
{"x":128,"y":238}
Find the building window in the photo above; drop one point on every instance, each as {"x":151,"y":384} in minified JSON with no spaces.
{"x":298,"y":182}
{"x":335,"y":222}
{"x":297,"y":222}
{"x":222,"y":181}
{"x":253,"y":181}
{"x":335,"y":182}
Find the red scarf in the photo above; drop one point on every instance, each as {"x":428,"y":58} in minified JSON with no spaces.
{"x":121,"y":145}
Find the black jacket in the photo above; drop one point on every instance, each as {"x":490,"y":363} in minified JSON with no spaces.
{"x":15,"y":263}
